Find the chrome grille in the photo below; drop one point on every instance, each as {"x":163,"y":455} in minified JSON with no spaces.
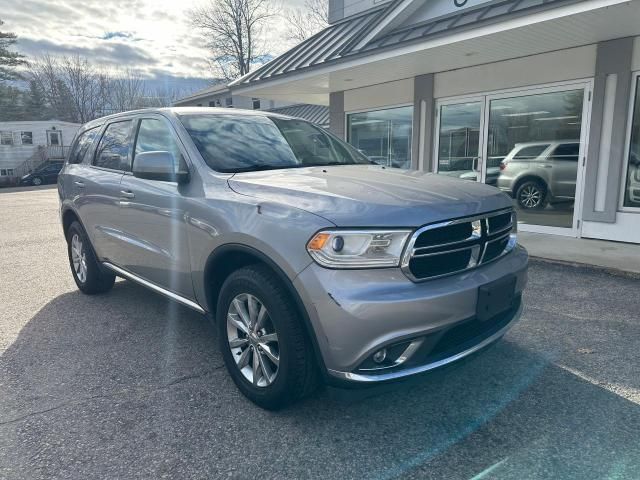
{"x":457,"y":245}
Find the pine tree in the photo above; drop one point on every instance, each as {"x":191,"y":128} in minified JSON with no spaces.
{"x":8,"y":59}
{"x":36,"y":107}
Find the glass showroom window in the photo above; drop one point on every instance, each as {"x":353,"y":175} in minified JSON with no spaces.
{"x":383,"y":135}
{"x":632,"y":185}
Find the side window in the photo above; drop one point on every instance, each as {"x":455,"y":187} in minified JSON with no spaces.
{"x":154,"y":135}
{"x":530,"y":153}
{"x":567,"y":152}
{"x":82,"y":144}
{"x":113,"y":149}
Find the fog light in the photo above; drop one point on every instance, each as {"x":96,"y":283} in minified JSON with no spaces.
{"x":380,"y":355}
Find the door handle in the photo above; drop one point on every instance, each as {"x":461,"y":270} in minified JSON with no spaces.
{"x":127,"y":194}
{"x":79,"y":184}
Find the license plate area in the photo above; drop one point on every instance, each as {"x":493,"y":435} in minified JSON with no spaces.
{"x":496,"y":297}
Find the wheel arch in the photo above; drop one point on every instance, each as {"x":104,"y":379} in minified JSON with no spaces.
{"x":526,"y":178}
{"x":228,"y":258}
{"x":69,"y":215}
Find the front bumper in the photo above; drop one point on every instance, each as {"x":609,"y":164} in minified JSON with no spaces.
{"x":355,"y":313}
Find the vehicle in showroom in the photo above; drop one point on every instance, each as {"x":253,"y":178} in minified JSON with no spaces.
{"x":316,"y":264}
{"x":44,"y":174}
{"x":538,"y":173}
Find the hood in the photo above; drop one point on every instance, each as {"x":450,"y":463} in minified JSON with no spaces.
{"x":371,"y":196}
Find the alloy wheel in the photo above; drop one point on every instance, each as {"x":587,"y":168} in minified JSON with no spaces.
{"x":253,"y":340}
{"x":530,"y":196}
{"x":79,"y":258}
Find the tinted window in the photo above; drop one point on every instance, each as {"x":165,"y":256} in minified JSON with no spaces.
{"x":567,"y":151}
{"x":530,"y":152}
{"x":231,"y":143}
{"x":154,"y":135}
{"x":80,"y":148}
{"x":113,"y":149}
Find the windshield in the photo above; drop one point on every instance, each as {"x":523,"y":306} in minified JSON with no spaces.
{"x":242,"y":143}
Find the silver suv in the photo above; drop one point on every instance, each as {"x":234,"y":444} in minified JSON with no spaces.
{"x":536,"y":173}
{"x":316,"y":264}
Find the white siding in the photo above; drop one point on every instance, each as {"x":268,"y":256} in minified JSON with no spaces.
{"x":12,"y":156}
{"x":387,"y":94}
{"x":570,"y":64}
{"x":353,"y":7}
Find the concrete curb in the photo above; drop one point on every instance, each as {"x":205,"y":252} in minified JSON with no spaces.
{"x":586,"y":266}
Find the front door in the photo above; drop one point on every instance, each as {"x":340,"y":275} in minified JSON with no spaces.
{"x":152,"y":217}
{"x":529,"y":143}
{"x":54,"y":138}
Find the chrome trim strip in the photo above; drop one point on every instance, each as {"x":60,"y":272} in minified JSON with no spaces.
{"x":506,"y":229}
{"x":409,"y":251}
{"x":443,"y":252}
{"x":154,"y":287}
{"x":364,"y":378}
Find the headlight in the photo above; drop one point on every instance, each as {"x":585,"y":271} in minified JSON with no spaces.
{"x":358,"y":248}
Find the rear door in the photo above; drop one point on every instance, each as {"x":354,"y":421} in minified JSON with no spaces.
{"x":100,"y":185}
{"x":153,"y":215}
{"x":564,"y":158}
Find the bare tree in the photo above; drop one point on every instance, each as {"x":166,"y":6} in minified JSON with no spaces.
{"x":74,"y":88}
{"x":87,"y":86}
{"x":44,"y":72}
{"x":233,"y":29}
{"x":126,"y":90}
{"x":306,"y":22}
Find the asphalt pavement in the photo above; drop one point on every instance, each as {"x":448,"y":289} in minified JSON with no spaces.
{"x":128,"y":385}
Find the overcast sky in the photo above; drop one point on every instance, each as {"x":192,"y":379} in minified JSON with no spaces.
{"x":153,"y":36}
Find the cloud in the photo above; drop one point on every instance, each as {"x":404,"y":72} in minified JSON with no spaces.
{"x":110,"y":35}
{"x":145,"y":35}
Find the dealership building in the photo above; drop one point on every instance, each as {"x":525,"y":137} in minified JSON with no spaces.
{"x":540,"y":98}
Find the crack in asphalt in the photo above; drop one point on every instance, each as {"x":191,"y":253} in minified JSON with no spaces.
{"x":142,"y":391}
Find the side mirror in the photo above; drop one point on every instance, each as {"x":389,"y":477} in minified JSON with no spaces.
{"x":158,"y":166}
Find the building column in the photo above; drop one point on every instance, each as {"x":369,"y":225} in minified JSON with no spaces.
{"x":423,"y":121}
{"x":336,"y":114}
{"x":607,"y":131}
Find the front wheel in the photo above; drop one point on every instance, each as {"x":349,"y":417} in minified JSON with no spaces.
{"x":531,"y":195}
{"x":263,"y":342}
{"x":37,"y":181}
{"x":88,"y":275}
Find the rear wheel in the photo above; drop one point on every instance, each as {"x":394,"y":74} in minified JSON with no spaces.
{"x":88,"y":275}
{"x":531,"y":194}
{"x":262,"y":340}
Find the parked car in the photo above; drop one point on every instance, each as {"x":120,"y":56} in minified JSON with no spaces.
{"x":47,"y":173}
{"x":536,"y":173}
{"x":316,"y":264}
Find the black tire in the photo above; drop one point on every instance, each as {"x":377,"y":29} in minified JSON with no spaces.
{"x":36,"y":181}
{"x":531,"y":195}
{"x":296,"y":375}
{"x":96,"y":279}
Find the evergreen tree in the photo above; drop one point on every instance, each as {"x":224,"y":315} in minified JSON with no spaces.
{"x":9,"y":59}
{"x":36,"y":107}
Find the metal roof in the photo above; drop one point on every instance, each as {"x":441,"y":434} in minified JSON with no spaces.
{"x":339,"y":41}
{"x":318,"y":114}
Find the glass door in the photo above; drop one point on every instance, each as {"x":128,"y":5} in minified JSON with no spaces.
{"x":530,"y":144}
{"x":458,"y":141}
